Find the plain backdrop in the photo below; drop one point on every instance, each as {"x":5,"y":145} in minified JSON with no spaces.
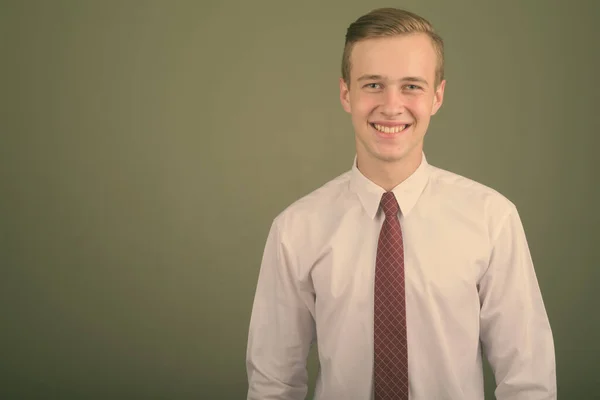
{"x":146,"y":146}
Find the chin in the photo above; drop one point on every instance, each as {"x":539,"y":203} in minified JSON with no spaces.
{"x":390,"y":158}
{"x":396,"y":155}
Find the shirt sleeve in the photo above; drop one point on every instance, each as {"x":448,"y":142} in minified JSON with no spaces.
{"x":282,"y":327}
{"x":515,"y":331}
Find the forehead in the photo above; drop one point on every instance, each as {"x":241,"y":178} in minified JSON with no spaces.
{"x":395,"y":57}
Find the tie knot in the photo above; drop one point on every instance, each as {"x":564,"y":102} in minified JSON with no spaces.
{"x":389,"y":204}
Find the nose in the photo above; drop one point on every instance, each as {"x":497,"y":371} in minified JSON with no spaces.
{"x":393,"y":102}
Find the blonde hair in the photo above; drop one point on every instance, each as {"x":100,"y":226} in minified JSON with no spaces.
{"x":385,"y":22}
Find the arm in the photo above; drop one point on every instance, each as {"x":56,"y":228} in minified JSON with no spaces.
{"x":515,"y":331}
{"x":281,"y":327}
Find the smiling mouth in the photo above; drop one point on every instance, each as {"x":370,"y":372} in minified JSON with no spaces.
{"x":389,"y":129}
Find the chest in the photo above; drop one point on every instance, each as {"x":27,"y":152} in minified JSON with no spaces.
{"x":442,"y":264}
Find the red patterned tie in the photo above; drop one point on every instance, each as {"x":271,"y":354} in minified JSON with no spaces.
{"x":391,"y":351}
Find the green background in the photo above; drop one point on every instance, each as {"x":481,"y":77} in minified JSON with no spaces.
{"x":146,"y":147}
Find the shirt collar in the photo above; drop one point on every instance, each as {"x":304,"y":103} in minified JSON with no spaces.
{"x":407,"y":193}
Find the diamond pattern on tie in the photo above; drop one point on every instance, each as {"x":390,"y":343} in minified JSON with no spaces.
{"x":390,"y":340}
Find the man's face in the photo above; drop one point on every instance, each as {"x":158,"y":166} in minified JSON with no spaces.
{"x":391,"y":96}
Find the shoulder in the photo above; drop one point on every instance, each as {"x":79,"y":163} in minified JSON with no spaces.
{"x":321,"y":202}
{"x":469,"y":195}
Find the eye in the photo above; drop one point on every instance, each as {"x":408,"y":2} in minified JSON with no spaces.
{"x":373,"y":86}
{"x":413,"y":87}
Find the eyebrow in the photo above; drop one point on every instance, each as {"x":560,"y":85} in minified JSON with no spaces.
{"x":416,"y":79}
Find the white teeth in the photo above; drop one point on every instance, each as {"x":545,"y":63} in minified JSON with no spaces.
{"x":387,"y":129}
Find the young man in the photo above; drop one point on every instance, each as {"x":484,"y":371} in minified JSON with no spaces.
{"x":404,"y":272}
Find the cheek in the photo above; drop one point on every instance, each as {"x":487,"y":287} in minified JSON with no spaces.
{"x":363,"y":106}
{"x":421,"y":107}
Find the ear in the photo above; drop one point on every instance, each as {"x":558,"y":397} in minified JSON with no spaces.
{"x":345,"y":96}
{"x":438,"y":97}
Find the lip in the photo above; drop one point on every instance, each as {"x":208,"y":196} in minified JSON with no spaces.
{"x":389,"y":136}
{"x":389,"y":124}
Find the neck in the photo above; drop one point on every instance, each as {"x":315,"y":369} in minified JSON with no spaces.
{"x":389,"y":174}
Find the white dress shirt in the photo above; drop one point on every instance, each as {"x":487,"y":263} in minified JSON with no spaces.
{"x":470,"y":286}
